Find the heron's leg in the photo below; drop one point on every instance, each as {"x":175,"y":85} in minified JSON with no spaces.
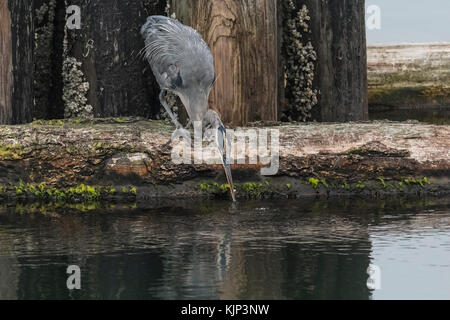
{"x":166,"y":107}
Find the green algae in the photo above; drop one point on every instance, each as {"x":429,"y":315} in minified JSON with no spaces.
{"x":81,"y":192}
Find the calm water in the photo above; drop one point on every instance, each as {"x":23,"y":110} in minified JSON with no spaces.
{"x":305,"y":249}
{"x":439,"y":116}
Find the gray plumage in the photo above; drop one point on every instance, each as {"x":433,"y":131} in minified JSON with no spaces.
{"x":182,"y":63}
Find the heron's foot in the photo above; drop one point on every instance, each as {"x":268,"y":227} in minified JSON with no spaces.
{"x":181,"y":134}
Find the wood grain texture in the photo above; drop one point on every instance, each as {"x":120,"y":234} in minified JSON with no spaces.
{"x":22,"y":41}
{"x":6,"y":78}
{"x":339,"y":37}
{"x":243,"y":37}
{"x":121,"y":82}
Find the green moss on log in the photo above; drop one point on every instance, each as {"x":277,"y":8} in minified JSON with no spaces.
{"x":78,"y":193}
{"x":258,"y":190}
{"x":11,"y":152}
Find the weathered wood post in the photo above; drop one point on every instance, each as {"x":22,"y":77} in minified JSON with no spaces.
{"x":244,"y":38}
{"x":106,"y":51}
{"x":339,"y":37}
{"x":16,"y":61}
{"x":49,"y":25}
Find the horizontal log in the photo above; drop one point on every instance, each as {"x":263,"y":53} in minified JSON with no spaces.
{"x":128,"y":157}
{"x":409,"y":76}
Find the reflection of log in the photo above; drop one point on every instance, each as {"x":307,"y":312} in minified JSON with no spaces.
{"x":9,"y":271}
{"x":117,"y":152}
{"x":16,"y":61}
{"x":292,"y":249}
{"x":409,"y":76}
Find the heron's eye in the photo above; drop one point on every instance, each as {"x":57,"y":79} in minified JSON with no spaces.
{"x":178,"y":81}
{"x":214,"y":81}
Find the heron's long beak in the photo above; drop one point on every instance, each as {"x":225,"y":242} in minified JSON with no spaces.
{"x":227,"y":168}
{"x":223,"y":145}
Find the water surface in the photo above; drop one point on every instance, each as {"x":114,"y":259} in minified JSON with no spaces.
{"x":308,"y":249}
{"x":437,"y":116}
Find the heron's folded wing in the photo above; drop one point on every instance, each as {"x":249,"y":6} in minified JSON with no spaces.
{"x":175,"y":51}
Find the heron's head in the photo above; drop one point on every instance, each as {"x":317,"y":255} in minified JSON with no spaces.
{"x":195,"y":96}
{"x":212,"y":120}
{"x":196,"y":103}
{"x":146,"y":28}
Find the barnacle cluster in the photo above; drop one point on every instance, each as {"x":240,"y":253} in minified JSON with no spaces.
{"x":76,"y":87}
{"x":44,"y":31}
{"x":75,"y":90}
{"x":299,"y":59}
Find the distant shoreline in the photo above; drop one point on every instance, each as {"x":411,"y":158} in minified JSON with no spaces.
{"x":408,"y":75}
{"x":400,"y":44}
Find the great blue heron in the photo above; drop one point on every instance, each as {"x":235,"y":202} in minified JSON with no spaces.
{"x":183,"y":64}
